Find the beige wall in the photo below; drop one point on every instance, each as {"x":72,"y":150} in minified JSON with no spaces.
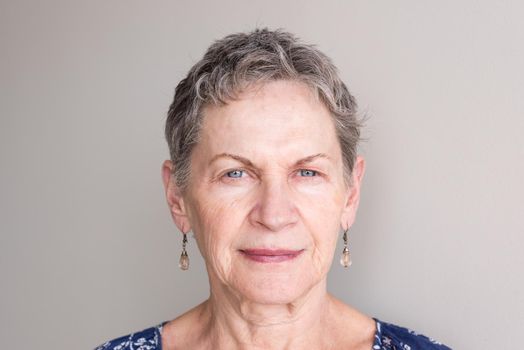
{"x":87,"y":248}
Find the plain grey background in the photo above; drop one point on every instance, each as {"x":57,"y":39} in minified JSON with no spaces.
{"x":87,"y":248}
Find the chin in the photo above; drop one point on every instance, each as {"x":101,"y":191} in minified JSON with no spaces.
{"x":274,"y":288}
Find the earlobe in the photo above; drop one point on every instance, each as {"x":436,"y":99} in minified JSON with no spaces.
{"x":174,"y":198}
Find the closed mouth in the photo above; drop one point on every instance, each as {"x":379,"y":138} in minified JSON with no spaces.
{"x":264,"y":255}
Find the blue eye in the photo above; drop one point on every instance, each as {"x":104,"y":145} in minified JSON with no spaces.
{"x":307,"y":172}
{"x":235,"y":173}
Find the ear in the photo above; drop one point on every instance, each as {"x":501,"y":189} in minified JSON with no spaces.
{"x":174,"y":197}
{"x":353,"y":196}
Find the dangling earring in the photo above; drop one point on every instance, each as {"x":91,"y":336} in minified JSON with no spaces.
{"x":345,"y":259}
{"x":183,"y":263}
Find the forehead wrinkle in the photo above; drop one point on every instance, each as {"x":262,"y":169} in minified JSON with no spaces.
{"x":246,"y":161}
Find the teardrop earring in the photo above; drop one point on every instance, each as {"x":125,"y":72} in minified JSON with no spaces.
{"x":345,"y":259}
{"x":183,"y":263}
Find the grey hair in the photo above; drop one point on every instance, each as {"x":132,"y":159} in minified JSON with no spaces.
{"x":240,"y":60}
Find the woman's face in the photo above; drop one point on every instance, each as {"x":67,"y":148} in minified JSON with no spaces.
{"x":267,"y":197}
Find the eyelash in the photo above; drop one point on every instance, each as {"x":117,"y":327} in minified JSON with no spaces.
{"x":241,"y":172}
{"x":227,"y":174}
{"x":313,"y":172}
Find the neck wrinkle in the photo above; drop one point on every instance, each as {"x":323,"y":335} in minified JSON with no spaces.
{"x":235,"y":323}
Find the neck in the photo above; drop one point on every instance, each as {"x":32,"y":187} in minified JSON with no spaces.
{"x":237,"y":323}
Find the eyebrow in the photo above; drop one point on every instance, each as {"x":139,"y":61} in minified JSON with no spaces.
{"x":247,"y":162}
{"x":311,"y":158}
{"x":233,"y":156}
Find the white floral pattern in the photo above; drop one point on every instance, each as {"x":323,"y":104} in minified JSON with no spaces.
{"x":148,"y":339}
{"x":392,"y":337}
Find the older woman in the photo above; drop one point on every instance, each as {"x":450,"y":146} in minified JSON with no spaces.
{"x":264,"y":171}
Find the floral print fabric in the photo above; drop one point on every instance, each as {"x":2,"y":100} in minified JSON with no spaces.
{"x":391,"y":337}
{"x":148,"y":339}
{"x":387,"y":337}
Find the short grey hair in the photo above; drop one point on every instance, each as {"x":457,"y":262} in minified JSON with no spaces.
{"x":240,"y":60}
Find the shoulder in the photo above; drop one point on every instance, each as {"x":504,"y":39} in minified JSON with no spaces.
{"x":392,"y":337}
{"x":147,"y":339}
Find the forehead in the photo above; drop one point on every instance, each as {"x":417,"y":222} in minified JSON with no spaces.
{"x":282,"y":117}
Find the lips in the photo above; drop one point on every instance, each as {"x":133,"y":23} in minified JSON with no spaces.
{"x":263,"y":255}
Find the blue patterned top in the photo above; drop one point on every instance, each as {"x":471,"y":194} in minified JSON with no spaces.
{"x":387,"y":337}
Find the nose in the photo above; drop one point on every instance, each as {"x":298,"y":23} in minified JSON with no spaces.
{"x":275,"y":208}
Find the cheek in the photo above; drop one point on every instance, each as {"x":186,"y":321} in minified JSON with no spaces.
{"x":322,"y":207}
{"x":215,"y":224}
{"x":321,"y":212}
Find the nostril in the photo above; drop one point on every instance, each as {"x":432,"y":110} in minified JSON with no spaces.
{"x":274,"y":210}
